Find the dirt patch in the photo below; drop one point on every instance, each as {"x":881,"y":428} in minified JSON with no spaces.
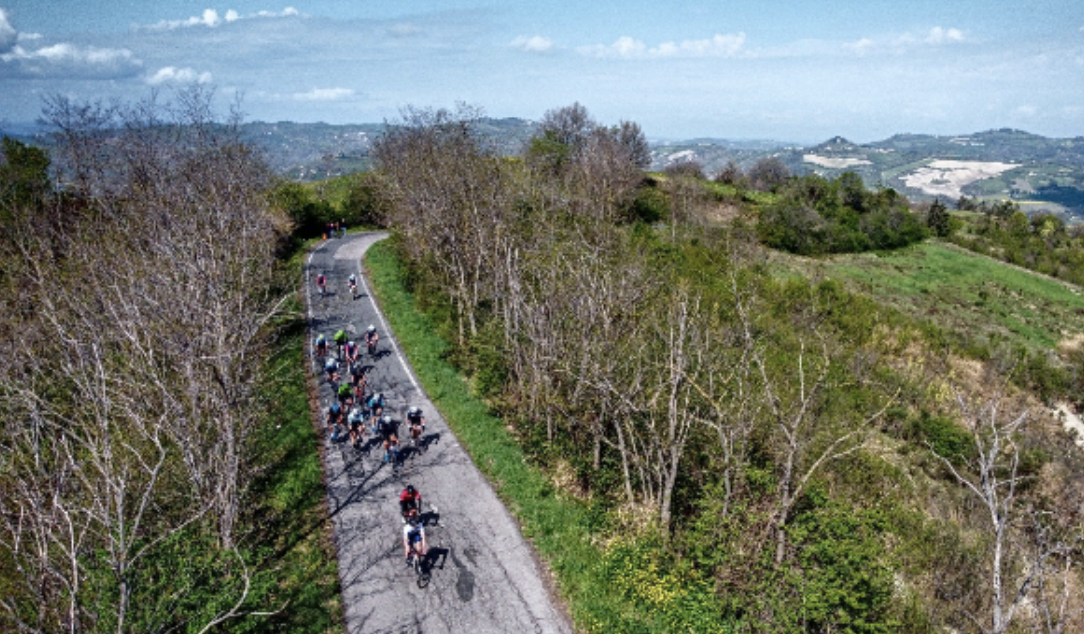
{"x":1071,"y":344}
{"x":948,"y":178}
{"x":834,"y":163}
{"x":1071,"y":422}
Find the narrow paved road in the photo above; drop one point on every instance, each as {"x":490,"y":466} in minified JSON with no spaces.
{"x":484,"y":578}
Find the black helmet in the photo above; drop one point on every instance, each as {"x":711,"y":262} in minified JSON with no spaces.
{"x":410,"y":489}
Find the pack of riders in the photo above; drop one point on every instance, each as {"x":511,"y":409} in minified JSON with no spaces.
{"x":347,"y":415}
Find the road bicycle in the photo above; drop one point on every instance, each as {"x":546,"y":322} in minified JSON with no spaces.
{"x":417,"y":562}
{"x":391,"y":454}
{"x":416,"y":443}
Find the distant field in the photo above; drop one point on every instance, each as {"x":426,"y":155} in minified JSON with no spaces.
{"x":967,"y":293}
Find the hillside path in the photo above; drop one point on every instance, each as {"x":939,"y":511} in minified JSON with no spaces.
{"x":484,"y":577}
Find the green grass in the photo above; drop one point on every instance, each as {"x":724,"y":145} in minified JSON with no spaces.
{"x":963,"y":292}
{"x":557,"y":525}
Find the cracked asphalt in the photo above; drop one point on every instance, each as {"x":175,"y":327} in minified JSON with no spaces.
{"x":482,"y":574}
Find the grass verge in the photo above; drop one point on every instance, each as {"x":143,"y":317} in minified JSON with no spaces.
{"x":559,"y":526}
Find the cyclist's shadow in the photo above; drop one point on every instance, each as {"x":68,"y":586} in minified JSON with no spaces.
{"x":430,"y":517}
{"x":429,"y":439}
{"x":373,"y":442}
{"x":435,"y":558}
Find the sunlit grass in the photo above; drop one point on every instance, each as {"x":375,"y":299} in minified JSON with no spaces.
{"x":962,"y":291}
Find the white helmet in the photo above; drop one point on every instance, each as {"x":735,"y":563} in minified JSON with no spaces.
{"x":371,"y":328}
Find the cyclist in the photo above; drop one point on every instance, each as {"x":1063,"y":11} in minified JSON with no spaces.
{"x":352,"y":282}
{"x":321,"y":345}
{"x":410,"y":502}
{"x":351,"y":350}
{"x":321,"y":283}
{"x":359,"y":378}
{"x":371,"y":338}
{"x":389,"y":431}
{"x":345,"y":394}
{"x":331,"y":367}
{"x":334,"y":417}
{"x":414,"y":533}
{"x":341,"y":339}
{"x":416,"y":422}
{"x":356,"y":421}
{"x":376,"y":405}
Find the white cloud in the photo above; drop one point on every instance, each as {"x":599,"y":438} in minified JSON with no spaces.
{"x":8,"y":35}
{"x":404,"y":30}
{"x":533,"y":44}
{"x":719,"y":45}
{"x":171,"y":74}
{"x":938,"y":35}
{"x":69,"y":60}
{"x":211,"y":19}
{"x":285,"y":13}
{"x":324,"y":94}
{"x":861,"y":47}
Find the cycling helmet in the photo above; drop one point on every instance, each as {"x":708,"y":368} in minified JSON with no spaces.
{"x":351,"y":344}
{"x":336,"y":408}
{"x":371,"y":328}
{"x":385,"y":419}
{"x":410,"y":489}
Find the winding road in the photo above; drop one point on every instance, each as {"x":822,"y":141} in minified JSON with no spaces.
{"x":483,"y":575}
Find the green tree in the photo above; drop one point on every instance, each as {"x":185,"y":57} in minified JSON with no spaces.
{"x":938,"y":219}
{"x":24,"y":176}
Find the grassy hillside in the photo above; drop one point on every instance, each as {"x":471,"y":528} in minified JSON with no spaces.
{"x":961,"y":291}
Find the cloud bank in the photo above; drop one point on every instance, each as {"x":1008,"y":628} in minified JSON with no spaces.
{"x":69,"y":61}
{"x":324,"y":94}
{"x":533,"y":44}
{"x":173,"y":75}
{"x":8,"y":34}
{"x":719,"y":45}
{"x":211,"y":19}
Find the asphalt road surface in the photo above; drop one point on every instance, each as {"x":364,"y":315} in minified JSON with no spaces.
{"x":482,"y":576}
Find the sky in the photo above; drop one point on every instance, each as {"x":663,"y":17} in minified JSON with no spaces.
{"x":797,"y":71}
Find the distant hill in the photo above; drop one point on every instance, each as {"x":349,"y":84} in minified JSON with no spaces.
{"x":1040,"y":173}
{"x":314,"y":151}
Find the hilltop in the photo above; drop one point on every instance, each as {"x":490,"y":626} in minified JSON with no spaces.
{"x":1042,"y":174}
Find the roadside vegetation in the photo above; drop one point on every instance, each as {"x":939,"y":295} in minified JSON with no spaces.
{"x":157,"y":470}
{"x":743,"y":446}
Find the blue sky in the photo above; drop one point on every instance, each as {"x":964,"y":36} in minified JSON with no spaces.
{"x":793,"y":71}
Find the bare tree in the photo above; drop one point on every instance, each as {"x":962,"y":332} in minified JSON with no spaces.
{"x":1016,"y":570}
{"x":149,"y":307}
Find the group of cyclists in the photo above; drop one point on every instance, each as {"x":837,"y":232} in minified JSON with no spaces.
{"x":352,"y":414}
